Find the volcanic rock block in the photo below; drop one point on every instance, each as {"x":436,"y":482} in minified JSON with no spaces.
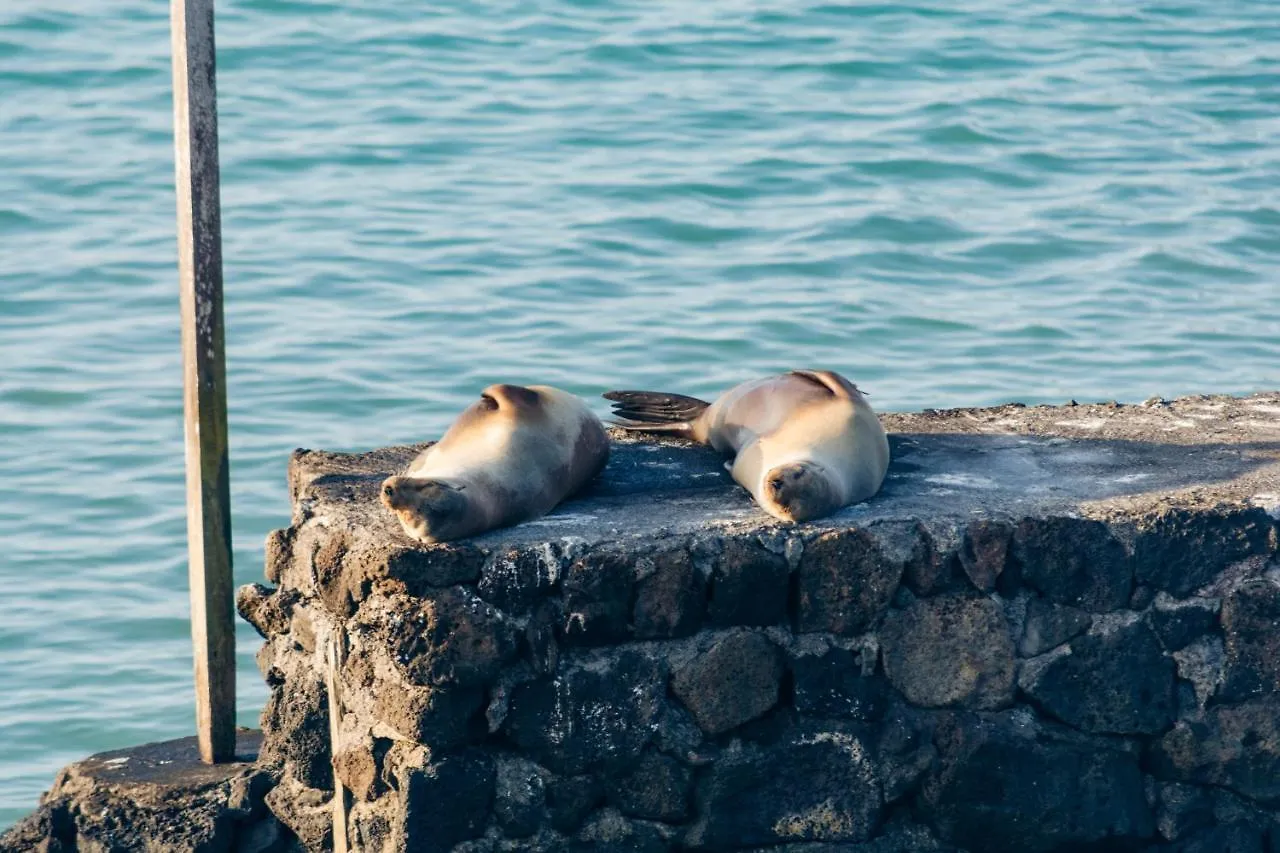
{"x":598,"y":711}
{"x":951,"y":649}
{"x":1115,"y":680}
{"x":734,"y":681}
{"x":811,"y":786}
{"x":999,"y":785}
{"x":1235,"y":746}
{"x":1251,"y":623}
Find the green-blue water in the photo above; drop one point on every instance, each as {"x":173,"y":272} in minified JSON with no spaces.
{"x":953,"y":203}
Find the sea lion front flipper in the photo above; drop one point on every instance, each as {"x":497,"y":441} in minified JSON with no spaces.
{"x":832,"y":381}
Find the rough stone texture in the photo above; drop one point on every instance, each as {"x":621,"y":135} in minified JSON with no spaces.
{"x":846,"y":582}
{"x":1251,"y":623}
{"x":950,"y":650}
{"x":1130,"y":676}
{"x":1178,"y":622}
{"x":519,"y":797}
{"x":734,"y":681}
{"x":1004,"y":784}
{"x":840,"y":684}
{"x":445,"y":803}
{"x":669,"y":600}
{"x":1048,"y":625}
{"x":1234,"y":746}
{"x":811,"y":786}
{"x":1052,"y":630}
{"x":159,"y":797}
{"x":748,"y":586}
{"x":657,"y":788}
{"x":599,"y":711}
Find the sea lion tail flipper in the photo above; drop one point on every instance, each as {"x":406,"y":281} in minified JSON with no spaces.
{"x":654,"y":411}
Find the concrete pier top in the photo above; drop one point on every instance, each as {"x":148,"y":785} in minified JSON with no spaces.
{"x":1103,"y":461}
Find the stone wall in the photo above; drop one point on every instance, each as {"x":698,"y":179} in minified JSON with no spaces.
{"x":157,"y":798}
{"x":1055,"y":629}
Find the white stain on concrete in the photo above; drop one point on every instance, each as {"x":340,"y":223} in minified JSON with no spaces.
{"x":1268,"y":502}
{"x":963,"y":481}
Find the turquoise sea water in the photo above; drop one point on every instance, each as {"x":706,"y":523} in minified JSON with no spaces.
{"x":954,"y":203}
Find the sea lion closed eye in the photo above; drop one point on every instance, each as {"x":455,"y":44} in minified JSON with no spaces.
{"x":511,"y":456}
{"x":804,"y":443}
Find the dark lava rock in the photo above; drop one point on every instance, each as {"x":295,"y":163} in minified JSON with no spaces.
{"x":607,"y":831}
{"x":598,"y":593}
{"x":1251,"y":625}
{"x":846,"y":583}
{"x":519,"y":797}
{"x":1229,"y":838}
{"x":1049,"y":625}
{"x":997,"y":786}
{"x":678,"y":734}
{"x":267,"y":610}
{"x":514,"y":580}
{"x":950,"y":650}
{"x":159,"y":798}
{"x":809,"y":786}
{"x":658,"y":788}
{"x":1236,"y":747}
{"x":1182,"y":550}
{"x":420,"y":570}
{"x":1182,"y":809}
{"x":451,"y":637}
{"x":296,"y":723}
{"x":905,"y":750}
{"x":734,"y":681}
{"x":307,"y":812}
{"x":1119,"y":681}
{"x":833,"y":685}
{"x":908,"y":838}
{"x":669,"y":600}
{"x":934,"y":565}
{"x":446,"y":802}
{"x":749,"y":586}
{"x":439,"y":717}
{"x":598,"y":710}
{"x":359,"y":768}
{"x":571,"y":798}
{"x":1180,"y":623}
{"x":985,"y":552}
{"x":1074,"y":561}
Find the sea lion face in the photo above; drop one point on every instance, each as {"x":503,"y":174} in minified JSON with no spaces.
{"x":429,"y":510}
{"x":799,"y":491}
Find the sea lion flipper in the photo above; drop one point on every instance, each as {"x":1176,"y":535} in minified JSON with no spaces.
{"x":832,"y":381}
{"x":654,"y":410}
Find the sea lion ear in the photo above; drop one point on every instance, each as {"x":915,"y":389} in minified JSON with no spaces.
{"x":514,"y":397}
{"x":832,"y":381}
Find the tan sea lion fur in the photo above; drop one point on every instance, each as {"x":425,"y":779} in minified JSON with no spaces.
{"x":511,"y":456}
{"x":804,"y":443}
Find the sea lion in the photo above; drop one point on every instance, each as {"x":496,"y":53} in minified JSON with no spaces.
{"x":511,"y":456}
{"x":804,"y":443}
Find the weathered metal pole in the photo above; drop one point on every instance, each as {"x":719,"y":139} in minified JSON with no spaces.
{"x":195,"y":133}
